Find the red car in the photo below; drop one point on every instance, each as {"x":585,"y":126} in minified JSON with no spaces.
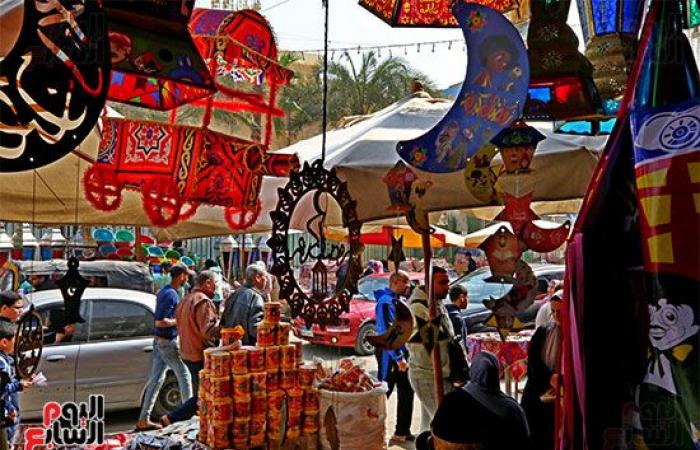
{"x":359,"y":322}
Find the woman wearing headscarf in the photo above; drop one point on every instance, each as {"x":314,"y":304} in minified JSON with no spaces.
{"x":543,"y":364}
{"x":478,"y":416}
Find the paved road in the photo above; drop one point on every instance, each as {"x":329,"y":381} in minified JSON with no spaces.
{"x":125,"y":420}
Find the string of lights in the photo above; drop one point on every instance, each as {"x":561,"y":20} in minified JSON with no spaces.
{"x":389,"y":49}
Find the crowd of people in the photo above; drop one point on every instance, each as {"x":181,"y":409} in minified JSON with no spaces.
{"x":474,"y":411}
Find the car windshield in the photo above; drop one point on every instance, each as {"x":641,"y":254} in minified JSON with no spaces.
{"x":479,"y":289}
{"x":368,"y":285}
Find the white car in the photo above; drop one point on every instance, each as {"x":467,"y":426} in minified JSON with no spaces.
{"x":109,"y":354}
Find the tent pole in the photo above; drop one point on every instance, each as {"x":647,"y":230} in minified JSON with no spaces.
{"x":437,"y":364}
{"x":139,"y":250}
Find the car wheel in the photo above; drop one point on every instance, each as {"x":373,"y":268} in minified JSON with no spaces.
{"x":168,"y":397}
{"x":362,"y":347}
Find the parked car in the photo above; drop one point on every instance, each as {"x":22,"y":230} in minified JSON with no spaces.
{"x":476,"y":314}
{"x":111,"y":274}
{"x":109,"y":354}
{"x":358,"y":323}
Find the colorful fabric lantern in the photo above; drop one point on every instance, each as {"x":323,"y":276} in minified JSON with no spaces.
{"x":54,"y":82}
{"x":517,"y":300}
{"x":517,"y":145}
{"x":240,"y":46}
{"x":561,"y":78}
{"x":155,"y":64}
{"x":610,"y":31}
{"x":426,"y":13}
{"x":492,"y":95}
{"x":399,"y":181}
{"x":178,"y":167}
{"x":502,"y":251}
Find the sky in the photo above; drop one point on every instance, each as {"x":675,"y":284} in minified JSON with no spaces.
{"x":298,"y":25}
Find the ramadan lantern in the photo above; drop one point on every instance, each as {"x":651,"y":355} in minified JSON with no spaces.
{"x":517,"y":145}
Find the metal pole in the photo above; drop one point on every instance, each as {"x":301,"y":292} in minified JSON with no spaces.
{"x":437,"y":360}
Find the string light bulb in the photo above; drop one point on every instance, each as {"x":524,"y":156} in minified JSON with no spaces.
{"x":433,"y":48}
{"x":405,"y":51}
{"x":418,"y":48}
{"x":358,"y":49}
{"x":449,"y":46}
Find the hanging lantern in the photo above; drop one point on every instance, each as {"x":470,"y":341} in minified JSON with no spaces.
{"x":5,"y":245}
{"x":561,"y":79}
{"x":502,"y":251}
{"x":155,"y":64}
{"x":517,"y":145}
{"x":319,"y":280}
{"x":428,"y":13}
{"x":610,"y":31}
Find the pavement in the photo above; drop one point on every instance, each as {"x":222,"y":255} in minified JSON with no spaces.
{"x":125,"y":420}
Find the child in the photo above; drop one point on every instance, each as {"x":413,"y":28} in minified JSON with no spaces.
{"x":9,"y":382}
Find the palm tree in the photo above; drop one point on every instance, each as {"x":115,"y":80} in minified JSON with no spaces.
{"x":370,"y":86}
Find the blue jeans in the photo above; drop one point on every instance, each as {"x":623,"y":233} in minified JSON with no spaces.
{"x":189,"y":408}
{"x":165,"y":354}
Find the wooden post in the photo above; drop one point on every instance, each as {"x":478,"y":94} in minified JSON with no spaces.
{"x":437,"y":360}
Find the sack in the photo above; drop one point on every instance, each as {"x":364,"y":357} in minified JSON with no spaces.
{"x":459,"y":368}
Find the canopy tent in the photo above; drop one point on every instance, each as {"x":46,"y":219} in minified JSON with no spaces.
{"x":473,"y":240}
{"x":381,"y":234}
{"x":363,"y":148}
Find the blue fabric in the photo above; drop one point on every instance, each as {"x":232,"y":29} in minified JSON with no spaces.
{"x":166,"y":301}
{"x":10,"y":391}
{"x":385,"y":313}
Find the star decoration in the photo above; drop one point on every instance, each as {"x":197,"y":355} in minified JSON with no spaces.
{"x":397,"y":255}
{"x":517,"y":211}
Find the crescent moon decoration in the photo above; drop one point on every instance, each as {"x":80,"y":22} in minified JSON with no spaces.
{"x":53,"y":82}
{"x":492,"y":96}
{"x":544,"y":240}
{"x":316,"y":306}
{"x":29,"y":343}
{"x":398,"y":332}
{"x":72,"y":286}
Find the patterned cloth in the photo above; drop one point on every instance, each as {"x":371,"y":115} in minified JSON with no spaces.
{"x":511,"y":354}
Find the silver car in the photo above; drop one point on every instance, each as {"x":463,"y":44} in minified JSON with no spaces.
{"x":109,"y":354}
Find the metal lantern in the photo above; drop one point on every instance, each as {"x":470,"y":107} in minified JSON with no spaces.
{"x":319,"y":280}
{"x":561,"y":79}
{"x":610,"y":30}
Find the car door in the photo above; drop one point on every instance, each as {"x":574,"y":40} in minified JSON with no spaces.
{"x":116,"y":360}
{"x":58,"y":363}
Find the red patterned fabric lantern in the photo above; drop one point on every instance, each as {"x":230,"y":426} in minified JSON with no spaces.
{"x":426,"y":13}
{"x":178,"y":167}
{"x":502,"y":250}
{"x":240,"y":46}
{"x":155,"y":64}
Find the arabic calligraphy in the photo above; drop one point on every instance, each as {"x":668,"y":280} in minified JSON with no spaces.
{"x":53,"y":82}
{"x":69,"y":424}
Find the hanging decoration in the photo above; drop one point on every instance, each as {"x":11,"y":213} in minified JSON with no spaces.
{"x":610,"y":30}
{"x":397,"y":255}
{"x":54,"y":81}
{"x":492,"y":95}
{"x":516,"y":301}
{"x":240,"y":47}
{"x":322,"y":306}
{"x":399,"y":180}
{"x":155,"y":64}
{"x":479,"y":177}
{"x":517,"y":145}
{"x":72,"y":286}
{"x":421,"y":13}
{"x":561,"y":78}
{"x":502,"y":250}
{"x":176,"y":168}
{"x":29,"y":343}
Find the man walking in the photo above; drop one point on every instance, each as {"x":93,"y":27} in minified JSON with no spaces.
{"x":197,"y":325}
{"x":393,"y":364}
{"x":245,"y":306}
{"x":165,"y":349}
{"x":421,"y":345}
{"x":459,"y":298}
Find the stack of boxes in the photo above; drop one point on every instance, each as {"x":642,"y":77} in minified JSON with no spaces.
{"x":243,"y":392}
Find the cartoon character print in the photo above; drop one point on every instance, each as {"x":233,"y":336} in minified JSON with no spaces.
{"x":146,"y":62}
{"x":670,"y":325}
{"x":497,"y":54}
{"x":120,"y":47}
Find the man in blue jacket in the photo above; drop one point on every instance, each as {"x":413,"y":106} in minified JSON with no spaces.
{"x":393,"y":364}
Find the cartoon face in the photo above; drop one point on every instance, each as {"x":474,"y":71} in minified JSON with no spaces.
{"x":498,"y":60}
{"x":670,"y":324}
{"x":120,"y":47}
{"x":516,"y":72}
